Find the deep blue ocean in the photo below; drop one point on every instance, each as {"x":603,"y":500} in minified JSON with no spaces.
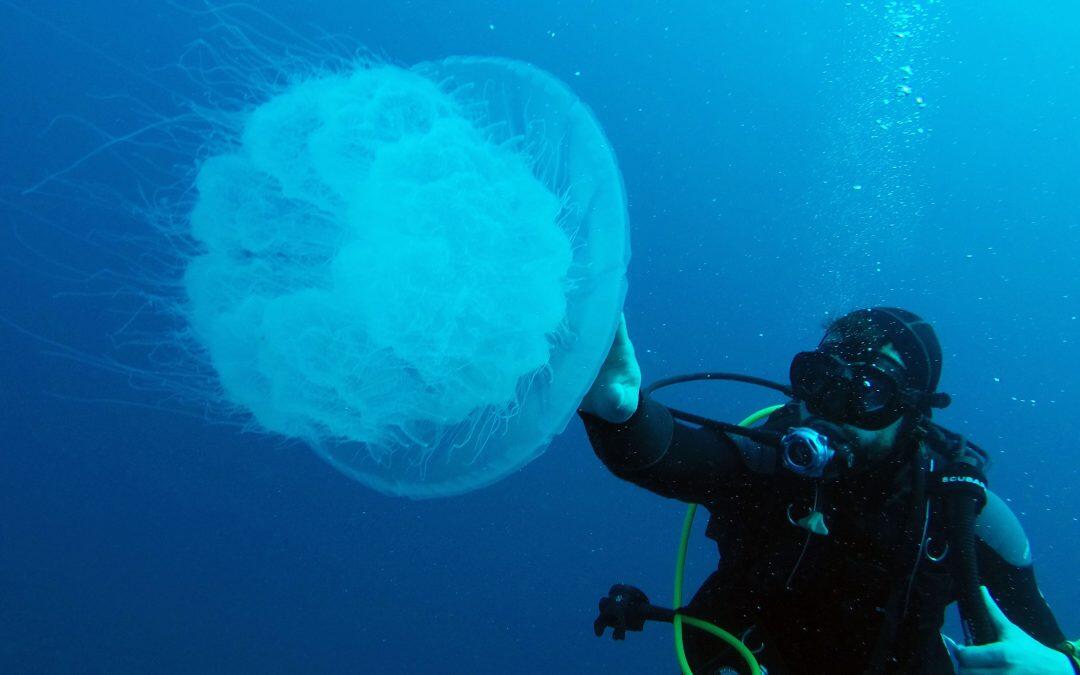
{"x":784,"y":162}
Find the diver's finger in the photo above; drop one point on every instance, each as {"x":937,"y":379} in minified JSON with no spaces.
{"x":1002,"y":625}
{"x":952,"y":648}
{"x":951,"y":644}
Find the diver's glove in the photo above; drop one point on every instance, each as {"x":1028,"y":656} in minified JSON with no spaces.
{"x":627,"y":608}
{"x":613,"y":396}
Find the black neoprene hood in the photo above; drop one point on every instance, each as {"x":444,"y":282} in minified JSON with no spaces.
{"x":912,"y":337}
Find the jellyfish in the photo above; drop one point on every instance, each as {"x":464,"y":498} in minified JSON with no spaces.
{"x":416,"y":271}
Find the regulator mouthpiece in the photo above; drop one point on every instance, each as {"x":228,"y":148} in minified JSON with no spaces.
{"x":806,"y":452}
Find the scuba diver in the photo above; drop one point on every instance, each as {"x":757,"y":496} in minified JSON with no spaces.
{"x":846,"y":522}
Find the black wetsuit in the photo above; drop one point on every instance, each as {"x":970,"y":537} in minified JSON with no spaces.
{"x":872,"y":591}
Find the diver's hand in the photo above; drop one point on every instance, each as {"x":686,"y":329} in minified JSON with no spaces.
{"x":614,"y":394}
{"x":1015,"y":652}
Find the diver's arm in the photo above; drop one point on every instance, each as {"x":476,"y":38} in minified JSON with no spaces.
{"x":663,"y":455}
{"x":1006,"y":569}
{"x":1004,"y":564}
{"x":639,"y":441}
{"x":1016,"y":591}
{"x":1029,"y":639}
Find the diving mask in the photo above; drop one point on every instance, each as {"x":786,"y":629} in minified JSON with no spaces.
{"x":868,"y":393}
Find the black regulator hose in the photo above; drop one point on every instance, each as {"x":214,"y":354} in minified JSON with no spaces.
{"x":964,"y":488}
{"x":712,"y":375}
{"x":757,"y":435}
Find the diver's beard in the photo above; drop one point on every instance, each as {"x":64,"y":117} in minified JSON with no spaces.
{"x":872,"y":446}
{"x":857,"y":450}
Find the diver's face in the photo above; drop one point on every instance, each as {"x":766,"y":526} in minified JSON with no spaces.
{"x":875,"y":444}
{"x":879,"y":442}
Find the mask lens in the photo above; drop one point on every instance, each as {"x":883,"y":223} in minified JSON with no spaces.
{"x":874,"y":391}
{"x":811,"y":374}
{"x":822,"y":381}
{"x":875,"y":397}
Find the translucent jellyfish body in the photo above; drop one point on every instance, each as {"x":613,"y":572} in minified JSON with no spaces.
{"x":416,"y":271}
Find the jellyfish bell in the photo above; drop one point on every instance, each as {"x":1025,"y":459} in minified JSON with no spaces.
{"x":416,"y":271}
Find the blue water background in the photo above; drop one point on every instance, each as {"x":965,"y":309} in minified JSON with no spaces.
{"x":134,"y":539}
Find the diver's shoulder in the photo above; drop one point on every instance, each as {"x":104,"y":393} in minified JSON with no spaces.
{"x":999,"y":528}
